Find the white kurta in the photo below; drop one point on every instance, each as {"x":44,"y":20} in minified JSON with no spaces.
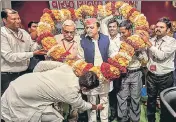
{"x":103,"y":88}
{"x":115,"y":42}
{"x":32,"y":94}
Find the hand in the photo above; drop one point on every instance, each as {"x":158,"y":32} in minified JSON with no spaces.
{"x":116,"y":13}
{"x":100,"y":107}
{"x":145,"y":39}
{"x":94,"y":107}
{"x":73,"y":115}
{"x":40,"y":52}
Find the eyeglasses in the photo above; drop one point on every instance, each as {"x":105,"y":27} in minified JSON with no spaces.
{"x":67,"y":32}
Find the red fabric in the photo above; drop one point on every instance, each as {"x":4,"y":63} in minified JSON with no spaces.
{"x":90,"y":21}
{"x":87,"y":67}
{"x":43,"y":35}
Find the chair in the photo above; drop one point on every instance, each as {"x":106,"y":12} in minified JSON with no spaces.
{"x":168,"y":97}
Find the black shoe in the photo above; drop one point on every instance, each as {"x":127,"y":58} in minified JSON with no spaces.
{"x":151,"y":120}
{"x":124,"y":120}
{"x":111,"y":118}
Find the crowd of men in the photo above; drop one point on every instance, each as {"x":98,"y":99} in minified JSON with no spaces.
{"x":34,"y":86}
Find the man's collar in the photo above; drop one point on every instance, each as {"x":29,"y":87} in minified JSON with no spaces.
{"x":117,"y":36}
{"x":10,"y":30}
{"x":86,"y":35}
{"x":92,"y":38}
{"x":73,"y":41}
{"x":164,"y":38}
{"x":62,"y":39}
{"x":152,"y":37}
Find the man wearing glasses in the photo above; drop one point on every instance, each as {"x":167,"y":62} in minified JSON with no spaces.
{"x":67,"y":39}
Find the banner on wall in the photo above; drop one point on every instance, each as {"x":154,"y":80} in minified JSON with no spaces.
{"x":76,"y":4}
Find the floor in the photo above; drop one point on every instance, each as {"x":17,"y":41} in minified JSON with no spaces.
{"x":143,"y":117}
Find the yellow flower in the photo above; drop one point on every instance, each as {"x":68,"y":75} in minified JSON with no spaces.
{"x":103,"y":11}
{"x":125,"y":10}
{"x":118,"y":4}
{"x":91,"y":10}
{"x":78,"y":67}
{"x":115,"y":70}
{"x":124,"y":47}
{"x":137,"y":41}
{"x":96,"y":70}
{"x":121,"y":60}
{"x":43,"y":27}
{"x":57,"y":52}
{"x":66,"y":14}
{"x":57,"y":15}
{"x":141,"y":21}
{"x":133,"y":16}
{"x":47,"y":18}
{"x":142,"y":31}
{"x":78,"y":13}
{"x":70,"y":62}
{"x":48,"y":43}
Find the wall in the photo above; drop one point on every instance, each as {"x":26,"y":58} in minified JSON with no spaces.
{"x":4,"y":4}
{"x":155,"y":10}
{"x":32,"y":10}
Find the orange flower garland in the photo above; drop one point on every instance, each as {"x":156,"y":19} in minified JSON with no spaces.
{"x":80,"y":67}
{"x":118,"y":62}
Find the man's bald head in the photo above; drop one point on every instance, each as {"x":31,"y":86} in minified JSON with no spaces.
{"x":68,"y":23}
{"x":68,"y":30}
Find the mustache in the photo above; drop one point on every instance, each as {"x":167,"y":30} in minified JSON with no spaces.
{"x":158,"y":31}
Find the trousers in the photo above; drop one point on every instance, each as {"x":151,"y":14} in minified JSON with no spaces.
{"x":131,"y":86}
{"x":155,"y":85}
{"x":92,"y":115}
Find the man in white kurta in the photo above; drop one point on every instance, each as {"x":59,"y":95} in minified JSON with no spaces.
{"x":30,"y":97}
{"x":109,"y":27}
{"x":98,"y":40}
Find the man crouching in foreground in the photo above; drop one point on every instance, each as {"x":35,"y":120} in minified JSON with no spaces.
{"x":30,"y":98}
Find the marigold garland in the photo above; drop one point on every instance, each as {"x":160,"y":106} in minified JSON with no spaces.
{"x":118,"y":62}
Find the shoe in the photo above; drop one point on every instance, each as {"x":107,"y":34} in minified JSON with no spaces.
{"x":111,"y":118}
{"x":113,"y":115}
{"x":124,"y":120}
